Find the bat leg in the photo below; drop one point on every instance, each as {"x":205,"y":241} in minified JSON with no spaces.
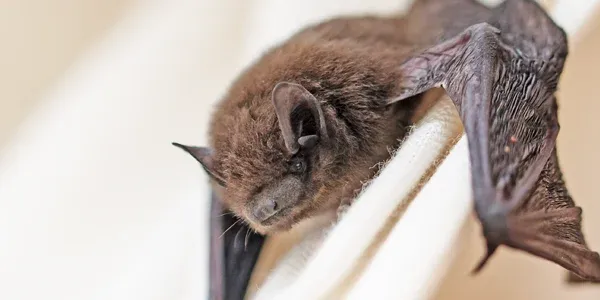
{"x":554,"y":235}
{"x":234,"y":250}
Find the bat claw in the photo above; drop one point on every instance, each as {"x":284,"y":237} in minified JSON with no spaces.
{"x":491,"y":248}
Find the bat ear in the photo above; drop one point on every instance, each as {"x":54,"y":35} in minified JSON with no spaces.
{"x":300,"y":116}
{"x":204,"y":156}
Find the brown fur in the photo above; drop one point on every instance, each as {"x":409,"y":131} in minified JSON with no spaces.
{"x":350,"y":66}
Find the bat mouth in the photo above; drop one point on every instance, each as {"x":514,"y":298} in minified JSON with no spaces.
{"x":280,"y":221}
{"x":278,"y":216}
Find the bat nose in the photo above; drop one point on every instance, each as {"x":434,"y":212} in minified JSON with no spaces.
{"x":265,"y":209}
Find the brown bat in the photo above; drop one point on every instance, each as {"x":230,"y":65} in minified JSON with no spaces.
{"x":299,"y":130}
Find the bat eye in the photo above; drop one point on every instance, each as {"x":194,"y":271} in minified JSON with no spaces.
{"x":297,"y":166}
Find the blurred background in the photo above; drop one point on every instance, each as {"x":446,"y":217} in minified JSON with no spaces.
{"x":40,"y":40}
{"x":96,"y":204}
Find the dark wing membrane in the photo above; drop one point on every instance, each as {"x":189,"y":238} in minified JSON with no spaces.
{"x":466,"y":65}
{"x":216,"y":253}
{"x":501,"y":74}
{"x":548,"y":224}
{"x":234,"y":250}
{"x":529,"y":29}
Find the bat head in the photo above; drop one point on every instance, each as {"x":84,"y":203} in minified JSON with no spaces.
{"x":270,"y":166}
{"x":300,"y":130}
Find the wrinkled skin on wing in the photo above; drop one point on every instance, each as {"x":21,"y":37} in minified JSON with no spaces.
{"x":501,"y":72}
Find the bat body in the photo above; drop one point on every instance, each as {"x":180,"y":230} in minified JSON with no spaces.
{"x":300,"y":130}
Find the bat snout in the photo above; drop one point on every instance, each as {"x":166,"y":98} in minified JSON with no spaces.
{"x":274,"y":206}
{"x":265,"y":209}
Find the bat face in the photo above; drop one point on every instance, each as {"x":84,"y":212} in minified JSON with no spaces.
{"x":277,"y":200}
{"x":271,"y":172}
{"x":276,"y":196}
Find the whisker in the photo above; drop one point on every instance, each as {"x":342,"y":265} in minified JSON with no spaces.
{"x":246,"y":238}
{"x":223,"y":214}
{"x":222,"y":234}
{"x":238,"y":232}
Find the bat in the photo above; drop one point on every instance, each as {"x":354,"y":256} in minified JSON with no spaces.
{"x":299,"y":130}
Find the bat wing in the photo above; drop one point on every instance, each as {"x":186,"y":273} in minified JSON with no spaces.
{"x":548,"y":225}
{"x":501,"y":75}
{"x":234,"y":250}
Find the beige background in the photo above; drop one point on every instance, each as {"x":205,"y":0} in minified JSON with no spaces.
{"x":40,"y":39}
